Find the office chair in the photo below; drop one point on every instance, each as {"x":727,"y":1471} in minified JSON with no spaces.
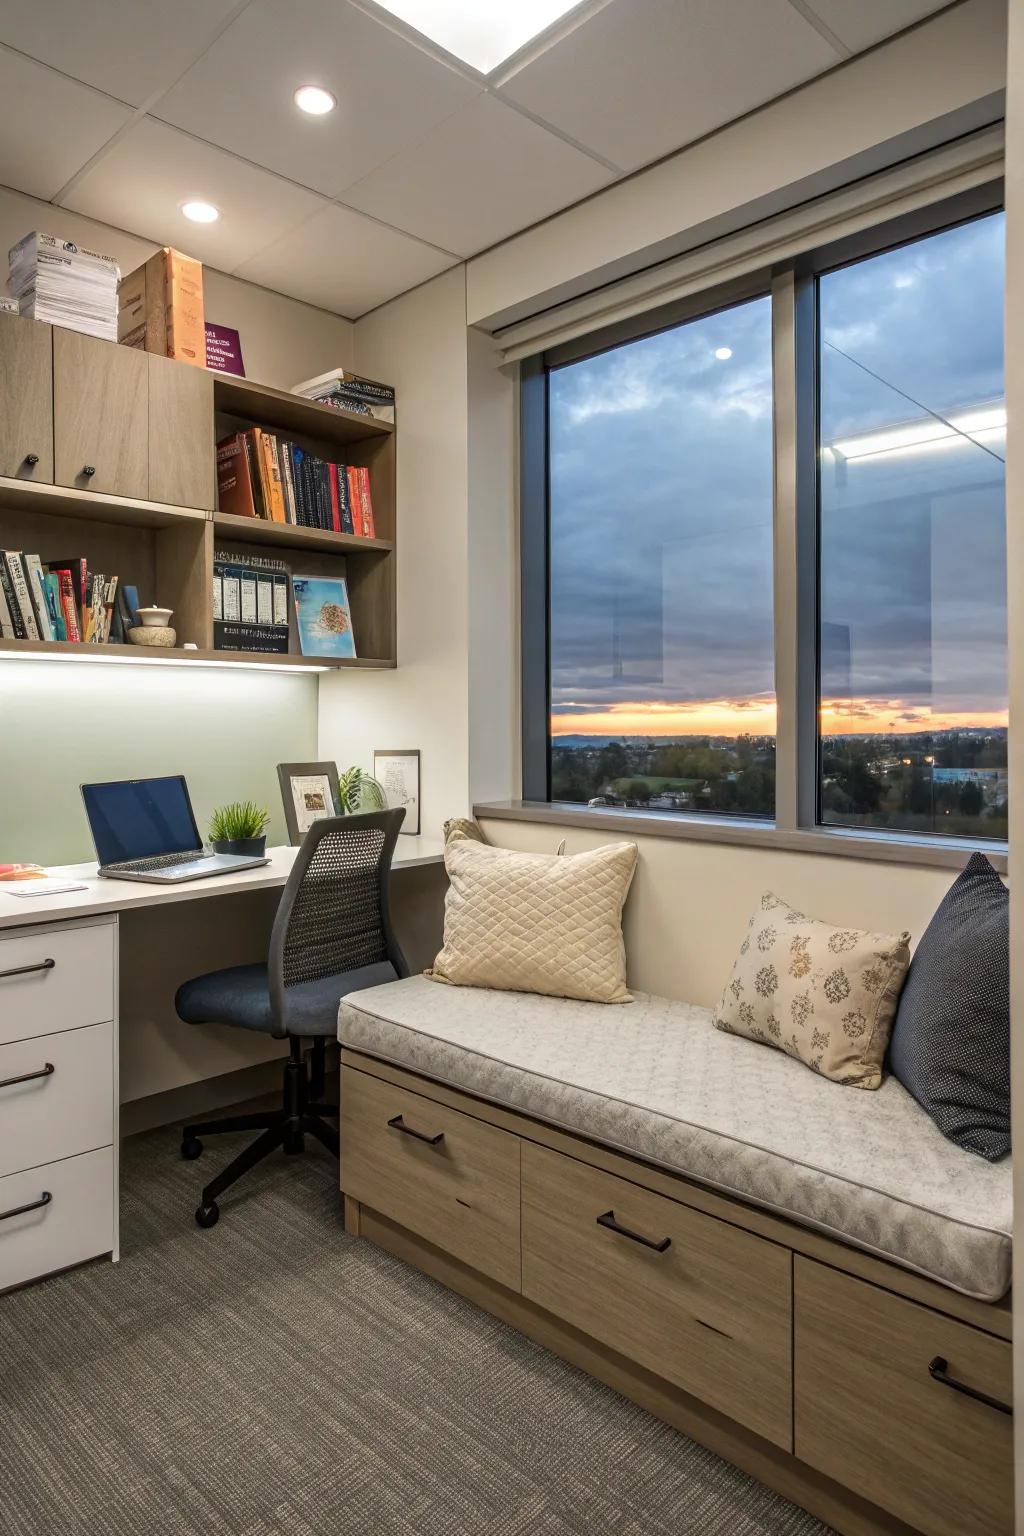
{"x":332,"y":935}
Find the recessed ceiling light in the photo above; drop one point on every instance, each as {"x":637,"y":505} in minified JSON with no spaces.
{"x":200,"y":213}
{"x":315,"y":100}
{"x":723,"y":354}
{"x":482,"y":35}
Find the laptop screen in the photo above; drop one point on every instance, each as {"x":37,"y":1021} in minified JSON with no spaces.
{"x":140,"y":819}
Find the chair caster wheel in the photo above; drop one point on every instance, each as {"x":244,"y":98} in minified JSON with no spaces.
{"x":191,"y":1147}
{"x":208,"y":1215}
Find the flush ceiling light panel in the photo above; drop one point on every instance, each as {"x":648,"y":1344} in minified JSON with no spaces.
{"x":200,"y":213}
{"x":315,"y":100}
{"x":483,"y":33}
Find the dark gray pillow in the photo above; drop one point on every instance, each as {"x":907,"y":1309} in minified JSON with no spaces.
{"x":950,"y":1044}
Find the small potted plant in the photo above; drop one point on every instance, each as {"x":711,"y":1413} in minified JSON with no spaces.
{"x":239,"y":828}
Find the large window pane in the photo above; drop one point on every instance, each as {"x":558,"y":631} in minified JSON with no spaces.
{"x":913,"y":707}
{"x":662,"y":683}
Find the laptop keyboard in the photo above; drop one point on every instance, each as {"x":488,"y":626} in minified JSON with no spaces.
{"x":162,"y":861}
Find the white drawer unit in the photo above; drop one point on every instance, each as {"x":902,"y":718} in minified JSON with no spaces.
{"x":56,"y":1097}
{"x":56,"y":1216}
{"x":56,"y":977}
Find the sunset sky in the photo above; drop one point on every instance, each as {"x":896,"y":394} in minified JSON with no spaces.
{"x":661,"y":513}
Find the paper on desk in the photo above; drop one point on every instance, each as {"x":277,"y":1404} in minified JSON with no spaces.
{"x":42,"y":887}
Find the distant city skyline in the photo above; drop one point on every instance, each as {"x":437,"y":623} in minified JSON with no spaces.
{"x":757,"y":717}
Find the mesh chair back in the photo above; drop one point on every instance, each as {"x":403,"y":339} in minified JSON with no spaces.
{"x":334,"y":914}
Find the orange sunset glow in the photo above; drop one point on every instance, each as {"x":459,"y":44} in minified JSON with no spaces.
{"x":756,"y":717}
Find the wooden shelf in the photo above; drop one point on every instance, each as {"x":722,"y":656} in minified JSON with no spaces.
{"x":294,"y":413}
{"x":65,"y":501}
{"x":256,"y":530}
{"x":135,"y":653}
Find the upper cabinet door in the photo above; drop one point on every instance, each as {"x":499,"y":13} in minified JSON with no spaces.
{"x":26,"y":399}
{"x":181,"y":451}
{"x":100,"y":415}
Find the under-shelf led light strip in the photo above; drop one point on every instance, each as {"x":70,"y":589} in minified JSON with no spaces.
{"x":133,"y":659}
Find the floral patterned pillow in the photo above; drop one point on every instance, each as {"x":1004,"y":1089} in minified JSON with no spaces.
{"x":825,"y":995}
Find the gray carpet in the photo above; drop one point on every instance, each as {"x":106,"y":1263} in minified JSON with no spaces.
{"x":275,"y":1377}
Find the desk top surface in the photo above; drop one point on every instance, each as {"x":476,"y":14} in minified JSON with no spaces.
{"x":102,"y":895}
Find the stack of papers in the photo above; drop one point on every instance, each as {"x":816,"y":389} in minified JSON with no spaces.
{"x":59,"y":282}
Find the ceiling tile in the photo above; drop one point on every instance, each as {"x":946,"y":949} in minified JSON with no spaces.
{"x":344,"y":263}
{"x":49,"y":126}
{"x":641,"y":78}
{"x":868,"y":21}
{"x":140,"y":184}
{"x":480,"y":176}
{"x":110,"y":44}
{"x":389,"y":92}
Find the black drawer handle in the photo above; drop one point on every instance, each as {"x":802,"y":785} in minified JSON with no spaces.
{"x":88,"y":470}
{"x":28,"y":1077}
{"x":938,"y":1371}
{"x":608,"y":1220}
{"x":19,"y":1210}
{"x":31,"y":459}
{"x":397,"y":1124}
{"x":25,"y":970}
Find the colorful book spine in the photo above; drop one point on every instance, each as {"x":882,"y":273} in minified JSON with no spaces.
{"x":37,"y":595}
{"x":68,"y":604}
{"x":10,"y":614}
{"x":12,"y":559}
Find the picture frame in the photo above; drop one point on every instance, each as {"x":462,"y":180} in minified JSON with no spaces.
{"x":309,"y":792}
{"x":398,"y":773}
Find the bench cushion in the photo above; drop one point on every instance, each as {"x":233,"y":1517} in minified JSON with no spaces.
{"x":653,"y":1078}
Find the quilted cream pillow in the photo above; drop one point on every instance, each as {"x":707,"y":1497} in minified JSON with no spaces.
{"x":825,"y":995}
{"x":536,"y":922}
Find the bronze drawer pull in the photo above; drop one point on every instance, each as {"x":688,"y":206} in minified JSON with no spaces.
{"x":397,"y":1124}
{"x":23,"y":970}
{"x":35,"y":1205}
{"x":28,"y":1077}
{"x":608,"y":1220}
{"x":938,"y":1371}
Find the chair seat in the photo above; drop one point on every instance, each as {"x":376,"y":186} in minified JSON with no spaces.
{"x":240,"y":996}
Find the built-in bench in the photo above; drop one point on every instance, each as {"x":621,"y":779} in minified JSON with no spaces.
{"x":772,"y":1262}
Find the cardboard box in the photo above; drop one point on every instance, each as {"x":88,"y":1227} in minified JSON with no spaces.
{"x":160,"y":308}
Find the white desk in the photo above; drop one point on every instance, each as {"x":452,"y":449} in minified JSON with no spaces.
{"x":62,"y":988}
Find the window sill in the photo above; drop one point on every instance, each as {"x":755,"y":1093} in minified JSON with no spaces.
{"x":841,"y":842}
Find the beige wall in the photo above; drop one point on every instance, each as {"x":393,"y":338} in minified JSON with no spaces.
{"x":944,"y":77}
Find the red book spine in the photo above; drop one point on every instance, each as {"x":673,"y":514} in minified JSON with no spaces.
{"x":68,"y":607}
{"x":366,"y":502}
{"x":355,"y":499}
{"x":332,"y":470}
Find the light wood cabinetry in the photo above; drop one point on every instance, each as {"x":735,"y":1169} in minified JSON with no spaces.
{"x":26,"y":399}
{"x":180,"y":434}
{"x":100,"y":416}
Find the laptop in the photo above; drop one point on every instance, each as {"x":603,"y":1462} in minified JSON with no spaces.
{"x":144,"y":829}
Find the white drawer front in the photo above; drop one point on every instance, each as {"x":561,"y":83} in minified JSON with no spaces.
{"x":56,"y":978}
{"x":75,"y":1223}
{"x":67,"y":1110}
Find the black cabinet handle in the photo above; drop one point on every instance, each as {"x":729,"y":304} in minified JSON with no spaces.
{"x":35,"y":1205}
{"x":608,"y":1220}
{"x":31,"y":459}
{"x":397,"y":1124}
{"x":28,"y":1077}
{"x":25,"y":970}
{"x":939,"y":1371}
{"x":88,"y":470}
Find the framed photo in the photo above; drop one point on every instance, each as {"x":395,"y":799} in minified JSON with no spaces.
{"x":309,"y":792}
{"x":323,"y":616}
{"x":398,"y":774}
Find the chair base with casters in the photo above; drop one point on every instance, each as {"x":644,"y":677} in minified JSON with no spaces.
{"x":302,"y":1113}
{"x":332,"y":935}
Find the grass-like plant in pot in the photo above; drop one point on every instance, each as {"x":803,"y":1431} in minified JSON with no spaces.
{"x":239,"y":828}
{"x":360,"y":791}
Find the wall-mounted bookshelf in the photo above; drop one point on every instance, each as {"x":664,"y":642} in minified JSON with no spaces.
{"x":109,"y":453}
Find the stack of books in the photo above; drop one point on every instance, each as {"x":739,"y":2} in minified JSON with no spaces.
{"x":250,"y":603}
{"x":261,"y":475}
{"x":62,"y":600}
{"x":59,"y":282}
{"x":351,"y":392}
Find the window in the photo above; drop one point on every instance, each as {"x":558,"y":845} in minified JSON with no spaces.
{"x":912,"y":436}
{"x":662,"y":687}
{"x":843,"y":417}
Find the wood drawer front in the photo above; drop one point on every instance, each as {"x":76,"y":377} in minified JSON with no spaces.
{"x":460,"y":1191}
{"x":100,"y":415}
{"x":869,"y":1414}
{"x":76,"y":1223}
{"x":711,"y":1313}
{"x":77,"y":989}
{"x":67,"y":1111}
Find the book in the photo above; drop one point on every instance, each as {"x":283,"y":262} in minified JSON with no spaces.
{"x":78,"y":570}
{"x":19,"y":585}
{"x":68,"y":603}
{"x":234,"y":481}
{"x":323,"y":616}
{"x":365,"y":501}
{"x":10,"y":610}
{"x":34,"y":582}
{"x":51,"y":587}
{"x":355,"y":499}
{"x":345,"y":379}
